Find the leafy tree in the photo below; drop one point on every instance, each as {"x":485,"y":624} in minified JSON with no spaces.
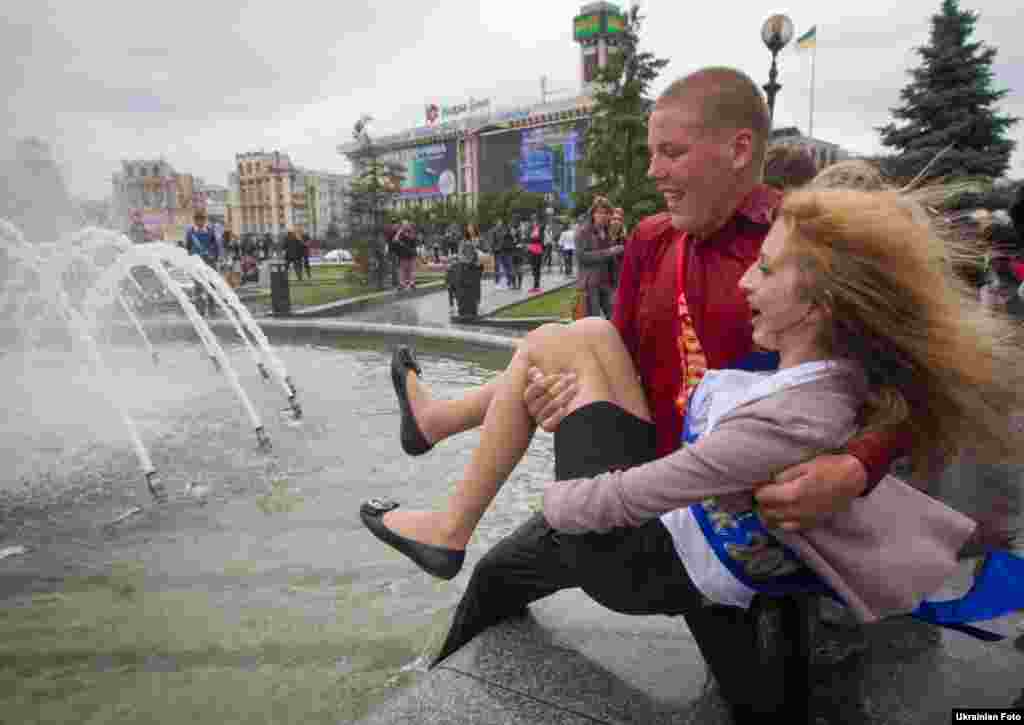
{"x":488,"y":209}
{"x":373,"y":187}
{"x":950,"y":102}
{"x":508,"y":206}
{"x":616,"y":140}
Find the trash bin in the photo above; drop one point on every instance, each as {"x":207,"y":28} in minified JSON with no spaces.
{"x":280,"y":297}
{"x":467,"y":289}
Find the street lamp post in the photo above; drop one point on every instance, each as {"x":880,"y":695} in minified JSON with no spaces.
{"x":776,"y":33}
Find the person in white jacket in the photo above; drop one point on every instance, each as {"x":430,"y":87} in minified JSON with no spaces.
{"x":567,"y":246}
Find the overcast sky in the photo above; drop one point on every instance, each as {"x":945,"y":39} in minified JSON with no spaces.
{"x":197,"y":82}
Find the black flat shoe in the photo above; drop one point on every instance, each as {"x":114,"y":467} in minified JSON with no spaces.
{"x":437,"y":560}
{"x":413,"y":441}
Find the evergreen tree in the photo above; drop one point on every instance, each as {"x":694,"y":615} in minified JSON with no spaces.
{"x":950,"y":103}
{"x":616,"y":140}
{"x":373,"y":186}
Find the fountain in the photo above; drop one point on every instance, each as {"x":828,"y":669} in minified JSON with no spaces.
{"x":78,"y":281}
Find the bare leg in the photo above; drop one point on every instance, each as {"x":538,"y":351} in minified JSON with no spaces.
{"x":593,"y":350}
{"x":439,"y":419}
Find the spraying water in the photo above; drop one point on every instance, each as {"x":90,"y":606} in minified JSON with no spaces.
{"x":94,"y":271}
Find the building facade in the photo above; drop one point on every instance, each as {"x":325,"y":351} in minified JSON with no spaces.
{"x":476,"y":147}
{"x":265,"y":192}
{"x":152,"y":201}
{"x":326,"y":195}
{"x":269,"y":194}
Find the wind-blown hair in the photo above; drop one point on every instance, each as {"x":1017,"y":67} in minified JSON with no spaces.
{"x":937,"y":360}
{"x":850,"y":174}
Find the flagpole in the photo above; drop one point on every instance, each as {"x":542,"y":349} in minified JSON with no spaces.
{"x":814,"y":56}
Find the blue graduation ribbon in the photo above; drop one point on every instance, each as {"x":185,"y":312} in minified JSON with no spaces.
{"x":998,"y":588}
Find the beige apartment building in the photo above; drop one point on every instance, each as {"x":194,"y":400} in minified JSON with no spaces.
{"x":269,"y":194}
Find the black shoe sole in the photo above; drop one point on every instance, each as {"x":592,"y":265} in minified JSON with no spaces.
{"x":414,"y":442}
{"x":435,"y":560}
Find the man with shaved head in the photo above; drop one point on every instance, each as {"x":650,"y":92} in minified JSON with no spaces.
{"x":679,"y":310}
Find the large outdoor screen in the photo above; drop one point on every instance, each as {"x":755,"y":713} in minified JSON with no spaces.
{"x":499,"y":162}
{"x":422,"y":167}
{"x":595,"y":24}
{"x":548,"y":158}
{"x":544,"y":159}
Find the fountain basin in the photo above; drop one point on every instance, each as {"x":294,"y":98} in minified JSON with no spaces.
{"x":254,"y":590}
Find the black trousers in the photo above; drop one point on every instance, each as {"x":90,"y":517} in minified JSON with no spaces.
{"x":600,"y":301}
{"x":633,"y":571}
{"x":535,"y":264}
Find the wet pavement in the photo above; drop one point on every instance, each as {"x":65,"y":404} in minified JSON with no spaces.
{"x":434,"y":309}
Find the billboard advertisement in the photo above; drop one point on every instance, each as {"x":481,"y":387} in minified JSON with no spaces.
{"x":548,"y":158}
{"x":597,"y":24}
{"x":422,"y":167}
{"x":152,"y":223}
{"x":544,"y":159}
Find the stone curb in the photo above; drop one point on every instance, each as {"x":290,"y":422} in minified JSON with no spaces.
{"x":516,"y":323}
{"x":377,"y":328}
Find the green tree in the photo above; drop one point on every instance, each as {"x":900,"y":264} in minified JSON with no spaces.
{"x":488,"y":209}
{"x":374,"y":185}
{"x":950,"y":103}
{"x":616,"y":154}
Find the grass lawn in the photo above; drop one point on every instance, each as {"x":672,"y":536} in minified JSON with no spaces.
{"x":333,"y":282}
{"x":555,"y":304}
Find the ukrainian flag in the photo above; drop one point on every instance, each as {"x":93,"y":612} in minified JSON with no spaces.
{"x":808,"y":39}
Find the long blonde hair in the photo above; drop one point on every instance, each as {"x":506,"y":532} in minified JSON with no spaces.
{"x":937,"y":360}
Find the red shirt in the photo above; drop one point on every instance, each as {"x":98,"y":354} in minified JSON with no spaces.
{"x":646,"y":300}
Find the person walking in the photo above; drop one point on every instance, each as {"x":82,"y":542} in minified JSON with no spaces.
{"x":567,"y":246}
{"x":596,"y":253}
{"x":551,"y":233}
{"x":535,"y":253}
{"x":497,"y":236}
{"x":294,"y":252}
{"x":306,"y":243}
{"x":508,"y":251}
{"x":403,"y":246}
{"x":201,"y":240}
